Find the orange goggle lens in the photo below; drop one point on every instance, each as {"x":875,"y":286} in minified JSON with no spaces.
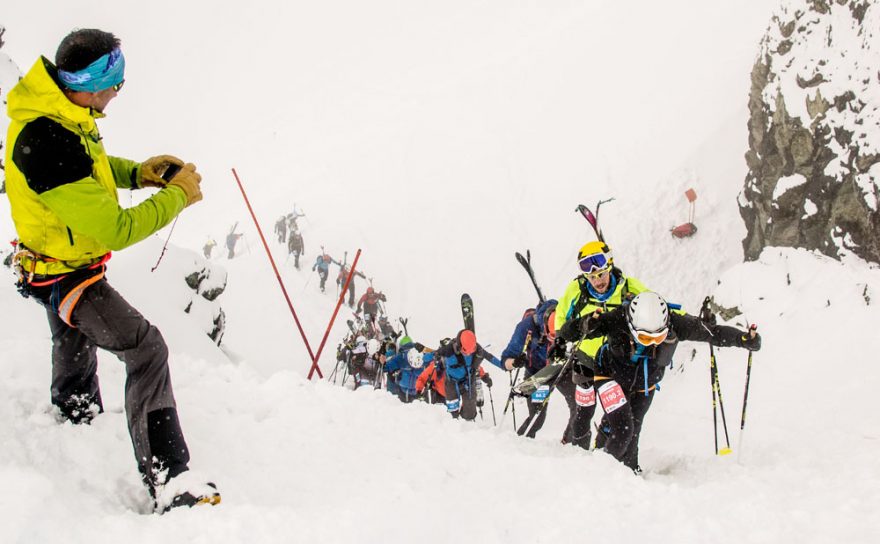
{"x":651,"y":338}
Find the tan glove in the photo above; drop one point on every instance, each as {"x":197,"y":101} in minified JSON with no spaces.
{"x":188,"y":180}
{"x":150,"y":174}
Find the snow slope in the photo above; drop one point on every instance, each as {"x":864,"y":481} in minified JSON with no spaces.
{"x":441,"y":138}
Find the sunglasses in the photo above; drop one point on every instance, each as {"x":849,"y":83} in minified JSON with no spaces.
{"x":594,"y":264}
{"x":651,"y":338}
{"x":118,"y":86}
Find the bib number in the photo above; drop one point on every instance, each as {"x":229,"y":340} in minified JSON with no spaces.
{"x":585,"y":396}
{"x":540,"y":394}
{"x":611,"y":396}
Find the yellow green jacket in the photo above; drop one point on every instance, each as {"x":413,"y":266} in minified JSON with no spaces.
{"x":62,"y":184}
{"x":571,"y":306}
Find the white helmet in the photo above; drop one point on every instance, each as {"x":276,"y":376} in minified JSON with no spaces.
{"x":415,"y":358}
{"x":360,"y":340}
{"x":648,"y":317}
{"x":373,"y":346}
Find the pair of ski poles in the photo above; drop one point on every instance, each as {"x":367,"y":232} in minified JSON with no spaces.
{"x":717,"y":400}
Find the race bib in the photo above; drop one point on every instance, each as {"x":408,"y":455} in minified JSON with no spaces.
{"x":611,"y":396}
{"x":540,"y":393}
{"x":453,"y":405}
{"x":585,"y":396}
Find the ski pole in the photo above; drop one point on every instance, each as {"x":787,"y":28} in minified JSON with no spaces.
{"x":514,"y":379}
{"x":492,"y":404}
{"x":716,"y":390}
{"x":742,"y":424}
{"x":510,"y":395}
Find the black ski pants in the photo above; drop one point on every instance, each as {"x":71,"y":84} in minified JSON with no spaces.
{"x":620,"y":430}
{"x":103,"y":319}
{"x":466,"y":393}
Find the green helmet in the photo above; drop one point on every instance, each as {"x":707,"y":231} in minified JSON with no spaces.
{"x":404,"y":340}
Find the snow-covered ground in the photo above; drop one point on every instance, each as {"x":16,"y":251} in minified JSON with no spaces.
{"x":440,"y":138}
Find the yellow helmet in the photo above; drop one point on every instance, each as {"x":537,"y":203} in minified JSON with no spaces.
{"x":594,"y":257}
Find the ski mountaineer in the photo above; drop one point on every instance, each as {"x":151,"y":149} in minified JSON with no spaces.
{"x":231,"y":240}
{"x":344,"y":271}
{"x":532,"y":346}
{"x":209,"y":248}
{"x":295,"y":246}
{"x":461,"y":360}
{"x":281,"y":229}
{"x":322,"y":265}
{"x":405,"y":367}
{"x":366,"y":362}
{"x":62,"y":188}
{"x":601,"y":285}
{"x":369,"y":305}
{"x":640,"y":338}
{"x":431,"y":383}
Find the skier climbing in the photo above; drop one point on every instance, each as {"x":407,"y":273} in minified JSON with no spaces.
{"x":281,"y":229}
{"x":369,"y":305}
{"x":599,"y":285}
{"x":405,"y":367}
{"x":295,"y":246}
{"x":232,"y":239}
{"x":322,"y":265}
{"x":640,"y":339}
{"x":209,"y":248}
{"x":461,"y":359}
{"x":533,"y":346}
{"x":344,"y":271}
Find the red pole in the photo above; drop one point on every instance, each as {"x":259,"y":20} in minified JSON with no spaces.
{"x":332,"y":319}
{"x":277,"y":275}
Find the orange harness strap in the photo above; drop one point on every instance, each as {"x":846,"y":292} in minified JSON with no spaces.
{"x":65,"y":309}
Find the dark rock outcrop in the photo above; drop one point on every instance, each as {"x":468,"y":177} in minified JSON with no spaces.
{"x":814,"y":131}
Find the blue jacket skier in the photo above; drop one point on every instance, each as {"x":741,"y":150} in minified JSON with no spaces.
{"x":534,"y":342}
{"x":322,"y":265}
{"x":461,"y":360}
{"x":405,"y":367}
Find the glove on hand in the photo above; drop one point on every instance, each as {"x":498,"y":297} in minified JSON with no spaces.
{"x":152,"y":169}
{"x":487,"y":379}
{"x":557,"y":350}
{"x":751,"y":343}
{"x":520,"y":361}
{"x":188,"y":180}
{"x":588,"y":322}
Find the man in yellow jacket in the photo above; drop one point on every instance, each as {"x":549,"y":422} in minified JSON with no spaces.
{"x":600,"y":286}
{"x":62,"y":188}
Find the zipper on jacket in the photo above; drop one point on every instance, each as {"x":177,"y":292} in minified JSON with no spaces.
{"x":70,"y":235}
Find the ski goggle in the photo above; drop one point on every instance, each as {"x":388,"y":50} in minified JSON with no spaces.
{"x":650,"y":338}
{"x":595,"y":264}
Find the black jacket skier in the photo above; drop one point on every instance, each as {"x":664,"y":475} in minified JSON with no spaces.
{"x":640,"y":339}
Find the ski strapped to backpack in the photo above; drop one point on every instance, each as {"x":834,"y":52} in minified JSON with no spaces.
{"x":467,"y":312}
{"x":593,"y":219}
{"x":526,"y":263}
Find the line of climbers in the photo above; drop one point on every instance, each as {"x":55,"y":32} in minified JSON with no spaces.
{"x":608,"y":335}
